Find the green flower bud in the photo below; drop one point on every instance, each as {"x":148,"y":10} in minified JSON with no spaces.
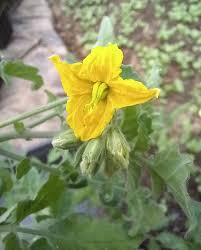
{"x":91,"y":157}
{"x":65,"y":140}
{"x":117,"y":151}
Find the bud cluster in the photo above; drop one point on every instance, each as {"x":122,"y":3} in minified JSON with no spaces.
{"x":109,"y":152}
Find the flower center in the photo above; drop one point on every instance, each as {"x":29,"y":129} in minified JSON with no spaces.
{"x":99,"y":92}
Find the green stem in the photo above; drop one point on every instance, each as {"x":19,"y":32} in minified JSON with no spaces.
{"x":27,"y":135}
{"x":35,"y":162}
{"x":36,"y":111}
{"x":42,"y":120}
{"x":12,"y":228}
{"x":98,"y":182}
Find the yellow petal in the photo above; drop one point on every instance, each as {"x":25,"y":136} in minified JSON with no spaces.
{"x":88,"y":125}
{"x":102,"y":64}
{"x":130,"y":92}
{"x":71,"y":82}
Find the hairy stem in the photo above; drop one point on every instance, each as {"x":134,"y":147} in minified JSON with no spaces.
{"x":12,"y":228}
{"x":42,"y":120}
{"x":27,"y":135}
{"x":36,"y":111}
{"x":35,"y":163}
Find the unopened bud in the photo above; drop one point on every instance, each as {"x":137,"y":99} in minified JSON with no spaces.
{"x":90,"y":158}
{"x":65,"y":140}
{"x":117,"y":151}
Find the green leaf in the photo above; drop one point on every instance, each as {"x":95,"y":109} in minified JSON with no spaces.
{"x":130,"y":122}
{"x":129,"y":73}
{"x":153,"y":245}
{"x":195,"y":246}
{"x":19,"y":127}
{"x":137,"y":126}
{"x":80,"y":232}
{"x":194,"y":231}
{"x":171,"y":241}
{"x":6,"y":182}
{"x":144,"y":213}
{"x":106,"y":34}
{"x":23,"y":168}
{"x":27,"y":72}
{"x":26,"y":188}
{"x":135,"y":170}
{"x":47,"y":195}
{"x":49,"y":192}
{"x":11,"y":242}
{"x":174,"y":169}
{"x":144,"y":130}
{"x":157,"y":184}
{"x":40,"y":244}
{"x":194,"y":145}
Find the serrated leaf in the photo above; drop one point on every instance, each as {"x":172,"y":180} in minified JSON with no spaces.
{"x":129,"y":73}
{"x":80,"y":232}
{"x":106,"y":33}
{"x":145,"y":214}
{"x":171,"y":241}
{"x":40,"y":244}
{"x":19,"y":127}
{"x":27,"y":72}
{"x":23,"y":168}
{"x":174,"y":169}
{"x":47,"y":195}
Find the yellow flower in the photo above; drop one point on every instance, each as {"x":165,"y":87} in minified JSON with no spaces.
{"x":96,"y":89}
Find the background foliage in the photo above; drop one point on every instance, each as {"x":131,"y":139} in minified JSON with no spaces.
{"x":51,"y":205}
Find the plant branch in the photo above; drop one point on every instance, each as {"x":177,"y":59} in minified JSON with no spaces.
{"x":35,"y":163}
{"x":36,"y":111}
{"x":12,"y":228}
{"x":42,"y":120}
{"x":27,"y":135}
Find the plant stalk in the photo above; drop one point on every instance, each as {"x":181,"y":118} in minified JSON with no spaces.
{"x":27,"y":135}
{"x":35,"y":163}
{"x":12,"y":228}
{"x":42,"y":120}
{"x":36,"y":111}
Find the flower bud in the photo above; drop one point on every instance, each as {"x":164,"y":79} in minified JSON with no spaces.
{"x":117,"y":151}
{"x":65,"y":140}
{"x":90,"y":159}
